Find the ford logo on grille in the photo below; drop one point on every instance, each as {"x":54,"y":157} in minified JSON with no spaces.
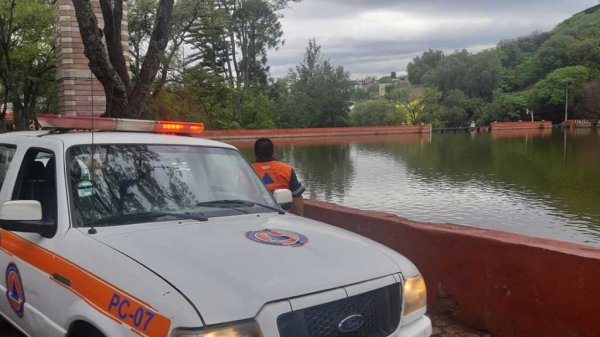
{"x":351,"y":323}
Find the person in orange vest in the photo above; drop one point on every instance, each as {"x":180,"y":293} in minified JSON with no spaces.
{"x":276,"y":174}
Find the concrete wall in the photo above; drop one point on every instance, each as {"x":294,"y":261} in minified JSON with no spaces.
{"x":317,"y":132}
{"x":520,"y":125}
{"x":506,"y":284}
{"x":344,"y":140}
{"x":580,"y":123}
{"x":79,"y":93}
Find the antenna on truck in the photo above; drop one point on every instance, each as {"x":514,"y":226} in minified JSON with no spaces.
{"x":92,"y":230}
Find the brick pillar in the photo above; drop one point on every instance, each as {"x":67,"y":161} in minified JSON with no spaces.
{"x":79,"y":93}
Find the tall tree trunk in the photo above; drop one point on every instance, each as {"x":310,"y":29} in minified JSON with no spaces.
{"x":19,"y":115}
{"x":113,"y":17}
{"x":238,"y":77}
{"x":232,"y":45}
{"x":245,"y":65}
{"x":229,"y":68}
{"x":237,"y":108}
{"x":107,"y":63}
{"x":4,"y":109}
{"x":99,"y":62}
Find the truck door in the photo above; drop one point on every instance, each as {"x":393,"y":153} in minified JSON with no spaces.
{"x":27,"y":290}
{"x":7,"y":153}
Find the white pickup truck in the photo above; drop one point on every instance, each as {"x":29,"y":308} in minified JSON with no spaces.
{"x":140,"y":234}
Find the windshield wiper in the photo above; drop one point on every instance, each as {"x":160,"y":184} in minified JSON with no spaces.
{"x":117,"y":219}
{"x":231,"y":203}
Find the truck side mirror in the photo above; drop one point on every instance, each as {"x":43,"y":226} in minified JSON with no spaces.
{"x":284,"y":198}
{"x":21,"y":210}
{"x":25,"y":216}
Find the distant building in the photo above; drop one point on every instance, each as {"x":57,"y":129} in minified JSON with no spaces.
{"x":382,"y":90}
{"x":365,"y":83}
{"x":379,"y":86}
{"x":402,"y":79}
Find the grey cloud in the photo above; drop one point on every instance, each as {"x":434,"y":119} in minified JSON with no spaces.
{"x":528,"y":7}
{"x":339,"y":26}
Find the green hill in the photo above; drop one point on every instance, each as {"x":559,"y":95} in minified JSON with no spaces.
{"x":531,"y":72}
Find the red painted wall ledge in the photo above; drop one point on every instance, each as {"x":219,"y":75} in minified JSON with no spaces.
{"x":497,"y":126}
{"x":503,"y":283}
{"x":316,"y":132}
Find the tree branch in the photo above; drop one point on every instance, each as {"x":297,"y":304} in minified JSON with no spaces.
{"x":156,"y":47}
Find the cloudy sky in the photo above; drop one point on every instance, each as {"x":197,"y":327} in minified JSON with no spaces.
{"x":375,"y":37}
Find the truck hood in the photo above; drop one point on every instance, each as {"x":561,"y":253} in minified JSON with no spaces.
{"x":229,"y":277}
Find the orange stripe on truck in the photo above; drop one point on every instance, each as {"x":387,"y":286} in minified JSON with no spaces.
{"x":103,"y":296}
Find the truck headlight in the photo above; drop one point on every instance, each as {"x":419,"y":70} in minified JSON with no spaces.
{"x":244,"y":329}
{"x":415,"y":294}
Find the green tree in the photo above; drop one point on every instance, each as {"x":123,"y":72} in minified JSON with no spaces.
{"x":512,"y":55}
{"x":484,"y":73}
{"x":319,"y":91}
{"x":454,"y":109}
{"x":476,"y":75}
{"x":587,"y":53}
{"x":375,"y":113}
{"x":176,"y":103}
{"x":531,"y":43}
{"x":239,"y":35}
{"x":550,"y":93}
{"x":506,"y":107}
{"x":525,"y":74}
{"x":556,"y":53}
{"x":358,"y":94}
{"x":423,"y":64}
{"x":451,"y":72}
{"x":208,"y":37}
{"x":430,"y":99}
{"x":26,"y":58}
{"x":407,"y":100}
{"x":257,"y":109}
{"x":212,"y":97}
{"x":258,"y":29}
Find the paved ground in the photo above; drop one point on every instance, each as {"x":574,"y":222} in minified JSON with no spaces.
{"x":445,"y":327}
{"x":442,"y":327}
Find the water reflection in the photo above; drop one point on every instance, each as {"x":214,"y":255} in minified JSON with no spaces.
{"x":326,"y":170}
{"x":522,"y":133}
{"x":534,"y":182}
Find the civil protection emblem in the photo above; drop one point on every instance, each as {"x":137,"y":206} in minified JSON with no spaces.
{"x":277,"y":237}
{"x":15,"y":293}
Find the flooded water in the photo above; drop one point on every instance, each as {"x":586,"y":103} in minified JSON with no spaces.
{"x":537,"y":183}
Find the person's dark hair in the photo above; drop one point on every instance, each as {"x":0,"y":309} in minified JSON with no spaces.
{"x":264,"y":149}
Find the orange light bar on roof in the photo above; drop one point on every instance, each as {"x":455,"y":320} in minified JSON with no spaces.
{"x":117,"y":124}
{"x":178,"y":127}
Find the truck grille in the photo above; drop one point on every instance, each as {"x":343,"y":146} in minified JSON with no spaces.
{"x":380,"y":309}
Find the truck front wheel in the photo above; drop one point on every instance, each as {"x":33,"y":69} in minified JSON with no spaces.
{"x":84,"y":329}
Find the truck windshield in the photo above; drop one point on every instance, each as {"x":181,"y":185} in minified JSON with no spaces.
{"x":125,"y":184}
